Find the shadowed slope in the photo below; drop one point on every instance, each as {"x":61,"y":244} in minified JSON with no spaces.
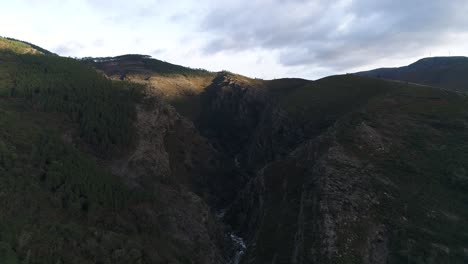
{"x":444,"y":72}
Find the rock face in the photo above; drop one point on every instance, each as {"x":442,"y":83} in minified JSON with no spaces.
{"x":231,"y":111}
{"x":175,"y":164}
{"x":169,"y":149}
{"x":312,"y":207}
{"x":241,"y":118}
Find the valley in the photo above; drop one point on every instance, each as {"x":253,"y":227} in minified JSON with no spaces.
{"x":130,"y":159}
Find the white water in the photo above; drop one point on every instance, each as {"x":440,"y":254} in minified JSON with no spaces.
{"x":237,"y":241}
{"x":240,"y":248}
{"x":220,"y":214}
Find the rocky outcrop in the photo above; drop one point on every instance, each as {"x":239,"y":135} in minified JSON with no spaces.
{"x":313,"y":206}
{"x":169,"y":149}
{"x":243,"y":121}
{"x":231,"y":111}
{"x":173,"y":163}
{"x":274,"y":137}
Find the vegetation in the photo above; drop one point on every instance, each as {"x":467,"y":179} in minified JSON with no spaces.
{"x":443,"y":72}
{"x":51,"y":192}
{"x":59,"y":200}
{"x":179,"y":85}
{"x":319,"y":104}
{"x":424,"y":197}
{"x":21,"y":47}
{"x":45,"y":183}
{"x":135,"y":63}
{"x":332,"y":96}
{"x":401,"y":146}
{"x":104,"y":109}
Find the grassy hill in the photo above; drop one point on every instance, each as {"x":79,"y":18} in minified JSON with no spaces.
{"x":443,"y":72}
{"x":139,"y":64}
{"x":179,"y":85}
{"x":326,"y":100}
{"x":21,"y":47}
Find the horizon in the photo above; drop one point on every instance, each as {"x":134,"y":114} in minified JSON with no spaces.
{"x":286,"y":77}
{"x":302,"y":39}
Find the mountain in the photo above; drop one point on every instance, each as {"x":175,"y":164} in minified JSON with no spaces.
{"x":443,"y":72}
{"x":343,"y":168}
{"x":372,"y":183}
{"x":94,"y":171}
{"x":134,"y":160}
{"x":177,"y":84}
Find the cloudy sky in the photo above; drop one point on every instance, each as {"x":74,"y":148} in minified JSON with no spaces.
{"x":258,"y":38}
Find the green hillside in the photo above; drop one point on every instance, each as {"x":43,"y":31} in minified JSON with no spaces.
{"x":326,"y":100}
{"x":53,"y":192}
{"x":59,"y":204}
{"x":21,"y":47}
{"x":178,"y":84}
{"x":103,"y":109}
{"x":136,"y":63}
{"x":64,"y":128}
{"x":49,"y":188}
{"x":389,"y":158}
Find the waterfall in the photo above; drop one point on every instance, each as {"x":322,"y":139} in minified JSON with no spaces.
{"x":240,"y":248}
{"x":238,"y":244}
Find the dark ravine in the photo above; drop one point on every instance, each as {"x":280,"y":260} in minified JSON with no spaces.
{"x":315,"y":198}
{"x":166,"y":138}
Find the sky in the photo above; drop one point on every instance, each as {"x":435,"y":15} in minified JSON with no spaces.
{"x":265,"y":39}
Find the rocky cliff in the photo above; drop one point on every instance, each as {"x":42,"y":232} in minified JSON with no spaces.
{"x":341,"y":193}
{"x":174,"y":163}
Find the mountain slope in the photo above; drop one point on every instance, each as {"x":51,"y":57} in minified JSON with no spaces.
{"x":178,"y":84}
{"x":59,"y":204}
{"x":139,"y":64}
{"x":378,"y":196}
{"x":443,"y":72}
{"x":358,"y":184}
{"x":21,"y":47}
{"x":98,"y":171}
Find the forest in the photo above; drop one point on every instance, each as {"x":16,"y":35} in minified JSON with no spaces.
{"x":50,"y":184}
{"x":103,"y":109}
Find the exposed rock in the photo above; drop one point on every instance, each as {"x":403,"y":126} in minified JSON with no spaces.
{"x":170,"y":159}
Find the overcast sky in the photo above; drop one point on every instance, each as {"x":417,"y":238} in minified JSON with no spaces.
{"x":258,"y":38}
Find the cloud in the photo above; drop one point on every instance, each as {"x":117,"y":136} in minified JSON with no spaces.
{"x":260,"y":38}
{"x":68,"y":49}
{"x":157,"y":52}
{"x":338,"y":34}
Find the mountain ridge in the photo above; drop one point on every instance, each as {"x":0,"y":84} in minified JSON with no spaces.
{"x":442,"y":72}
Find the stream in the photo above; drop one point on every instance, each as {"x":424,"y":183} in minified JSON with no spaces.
{"x":238,"y":245}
